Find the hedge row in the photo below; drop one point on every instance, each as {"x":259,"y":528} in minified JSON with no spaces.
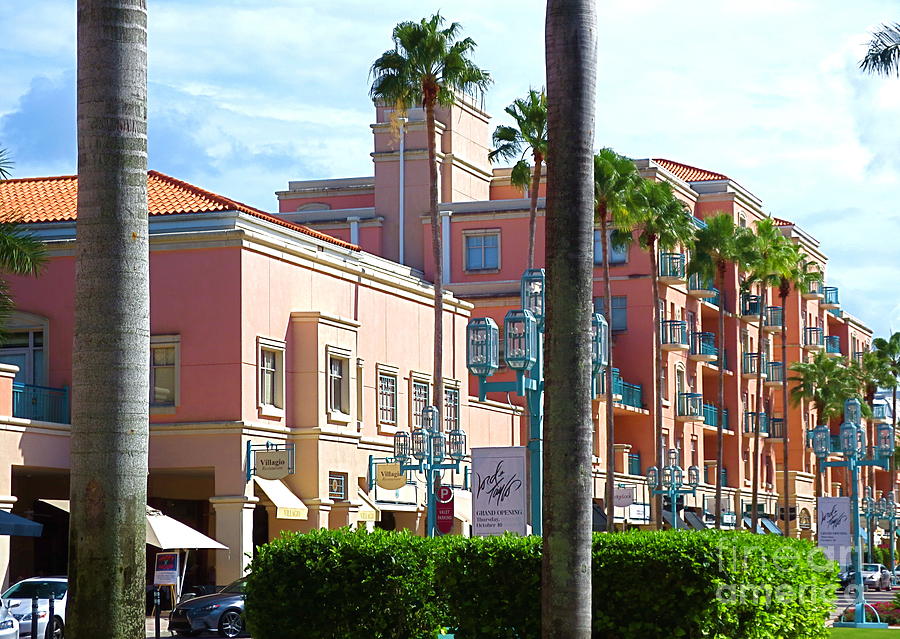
{"x":343,"y":584}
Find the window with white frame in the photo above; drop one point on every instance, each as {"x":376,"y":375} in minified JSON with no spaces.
{"x":419,"y":401}
{"x":270,"y":359}
{"x":338,"y":384}
{"x":482,"y":251}
{"x":164,"y":370}
{"x":451,"y":409}
{"x":387,"y":397}
{"x":25,"y":349}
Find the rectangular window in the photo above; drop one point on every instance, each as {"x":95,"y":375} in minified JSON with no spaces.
{"x":337,"y":486}
{"x":270,"y":357}
{"x":616,"y":255}
{"x":419,"y":402}
{"x":451,"y":409}
{"x":482,"y":252}
{"x":619,"y":319}
{"x":162,"y":375}
{"x":337,"y":381}
{"x":387,"y":398}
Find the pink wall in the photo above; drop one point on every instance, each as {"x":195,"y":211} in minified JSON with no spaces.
{"x":288,"y":204}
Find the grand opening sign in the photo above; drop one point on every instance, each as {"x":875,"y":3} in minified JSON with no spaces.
{"x":499,"y":491}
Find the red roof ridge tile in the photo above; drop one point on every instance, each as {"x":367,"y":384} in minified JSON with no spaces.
{"x":690,"y":173}
{"x":781,"y":222}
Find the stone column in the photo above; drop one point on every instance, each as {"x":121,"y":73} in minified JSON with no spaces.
{"x":621,"y":458}
{"x":234,"y":528}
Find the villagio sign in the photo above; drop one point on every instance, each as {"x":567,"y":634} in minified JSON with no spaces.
{"x":389,"y":476}
{"x":273,"y":464}
{"x":499,"y":490}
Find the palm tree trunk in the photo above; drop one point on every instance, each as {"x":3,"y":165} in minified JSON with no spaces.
{"x":110,"y":371}
{"x":437,"y":252}
{"x":571,"y":62}
{"x":658,"y":377}
{"x":720,"y":436}
{"x":757,"y":459}
{"x":532,"y":213}
{"x":786,"y":482}
{"x":610,"y":423}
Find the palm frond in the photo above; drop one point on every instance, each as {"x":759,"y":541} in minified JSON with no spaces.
{"x":521,"y":174}
{"x":20,"y":252}
{"x":6,"y":164}
{"x":883,"y":54}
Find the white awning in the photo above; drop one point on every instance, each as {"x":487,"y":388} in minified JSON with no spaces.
{"x":368,"y":511}
{"x":162,"y":531}
{"x":287,"y":504}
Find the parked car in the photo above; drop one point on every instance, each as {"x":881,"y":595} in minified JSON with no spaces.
{"x":222,"y":611}
{"x":874,"y":576}
{"x":9,"y":625}
{"x":18,"y":600}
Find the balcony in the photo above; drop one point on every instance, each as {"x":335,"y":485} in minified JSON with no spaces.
{"x":833,"y":345}
{"x":773,"y":317}
{"x":724,"y":360}
{"x":831,"y":297}
{"x":750,"y":306}
{"x":714,"y":298}
{"x":700,"y":288}
{"x":880,"y":413}
{"x":858,"y":357}
{"x":41,"y":403}
{"x":813,"y":338}
{"x":673,"y":335}
{"x":774,"y":373}
{"x":711,"y":416}
{"x":750,"y":422}
{"x":776,"y":428}
{"x":634,"y":463}
{"x":703,"y":347}
{"x":690,"y":407}
{"x":623,"y":393}
{"x":814,"y":292}
{"x":754,"y":363}
{"x":672,"y":268}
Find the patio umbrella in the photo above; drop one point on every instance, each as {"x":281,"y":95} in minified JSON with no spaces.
{"x":14,"y":525}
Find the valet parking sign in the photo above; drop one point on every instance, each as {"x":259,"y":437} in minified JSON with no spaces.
{"x":499,"y":490}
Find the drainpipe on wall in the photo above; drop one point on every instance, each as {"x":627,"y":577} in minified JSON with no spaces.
{"x":445,"y":236}
{"x":400,"y":206}
{"x":354,"y":230}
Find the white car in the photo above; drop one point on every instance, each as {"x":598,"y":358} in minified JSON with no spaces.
{"x":9,"y":625}
{"x":19,"y":601}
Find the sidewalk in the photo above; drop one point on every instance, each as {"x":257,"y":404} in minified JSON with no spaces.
{"x":163,"y":626}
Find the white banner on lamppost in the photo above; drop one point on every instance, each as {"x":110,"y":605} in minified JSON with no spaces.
{"x":835,"y":527}
{"x":499,"y":491}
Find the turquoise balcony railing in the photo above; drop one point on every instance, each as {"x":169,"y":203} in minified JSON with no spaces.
{"x":704,"y":344}
{"x":773,"y":317}
{"x":750,"y":304}
{"x":833,"y":344}
{"x":634,"y":463}
{"x":711,"y":416}
{"x":690,"y":405}
{"x":672,"y":266}
{"x":41,"y":403}
{"x":700,"y":287}
{"x":831,"y":296}
{"x":632,"y":394}
{"x":750,"y":422}
{"x":813,"y":337}
{"x":716,"y":296}
{"x":707,"y":480}
{"x":673,"y":333}
{"x":776,"y":427}
{"x":754,"y":363}
{"x":774,"y":372}
{"x":724,"y":359}
{"x":814,"y":289}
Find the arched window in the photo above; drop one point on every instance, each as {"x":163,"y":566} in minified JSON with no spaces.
{"x":805,"y":519}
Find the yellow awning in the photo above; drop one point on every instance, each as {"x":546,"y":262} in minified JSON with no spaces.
{"x":368,"y":511}
{"x":287,"y":504}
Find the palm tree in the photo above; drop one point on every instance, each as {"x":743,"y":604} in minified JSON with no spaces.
{"x":799,"y":276}
{"x":770,"y":256}
{"x":663,"y":222}
{"x":6,"y":164}
{"x":617,"y":185}
{"x":529,"y":134}
{"x":883,"y":55}
{"x":826,"y":383}
{"x":429,"y":66}
{"x":110,"y":370}
{"x":717,"y":245}
{"x":571,"y":62}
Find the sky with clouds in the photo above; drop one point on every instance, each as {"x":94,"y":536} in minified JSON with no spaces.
{"x":245,"y":95}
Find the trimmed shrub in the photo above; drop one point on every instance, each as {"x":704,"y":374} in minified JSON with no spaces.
{"x":684,"y":584}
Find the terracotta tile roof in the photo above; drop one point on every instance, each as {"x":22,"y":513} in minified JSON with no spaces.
{"x":55,"y":199}
{"x":779,"y":222}
{"x":689,"y":173}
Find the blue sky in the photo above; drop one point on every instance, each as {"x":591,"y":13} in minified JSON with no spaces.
{"x":246,"y":95}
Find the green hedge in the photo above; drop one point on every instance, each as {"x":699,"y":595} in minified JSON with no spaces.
{"x":331,"y":584}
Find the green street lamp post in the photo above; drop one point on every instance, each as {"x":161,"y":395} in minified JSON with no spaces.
{"x":872,"y":510}
{"x":524,"y":340}
{"x":889,"y":512}
{"x":425,"y":451}
{"x":854,"y":449}
{"x":670,"y":482}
